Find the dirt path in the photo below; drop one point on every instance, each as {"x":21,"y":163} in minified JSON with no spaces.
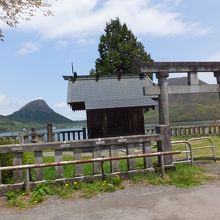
{"x":136,"y":202}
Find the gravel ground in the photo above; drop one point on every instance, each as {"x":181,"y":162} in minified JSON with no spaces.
{"x":135,"y":202}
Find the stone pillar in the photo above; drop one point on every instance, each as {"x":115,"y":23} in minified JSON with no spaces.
{"x":165,"y":143}
{"x":164,"y":128}
{"x":217,"y":75}
{"x":192,"y":78}
{"x":163,"y":98}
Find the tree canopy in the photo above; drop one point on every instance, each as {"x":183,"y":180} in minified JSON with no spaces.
{"x":118,"y":49}
{"x":12,"y":11}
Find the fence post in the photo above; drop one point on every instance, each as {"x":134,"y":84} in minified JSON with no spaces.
{"x":214,"y":129}
{"x":59,"y":158}
{"x":130,"y":151}
{"x":96,"y":153}
{"x":17,"y":160}
{"x":78,"y":167}
{"x":147,"y":160}
{"x":114,"y":164}
{"x":27,"y":180}
{"x":49,"y":132}
{"x":162,"y":166}
{"x":84,"y":133}
{"x":203,"y":130}
{"x":33,"y":135}
{"x":39,"y":160}
{"x":165,"y":143}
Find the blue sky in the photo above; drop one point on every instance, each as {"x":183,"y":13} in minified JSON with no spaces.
{"x":37,"y":53}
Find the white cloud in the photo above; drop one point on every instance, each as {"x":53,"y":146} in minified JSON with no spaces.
{"x":28,"y":47}
{"x":60,"y":105}
{"x":65,"y":110}
{"x":173,"y":2}
{"x":79,"y":115}
{"x":209,"y":77}
{"x":62,"y":43}
{"x":86,"y":18}
{"x":86,"y":41}
{"x":9,"y":105}
{"x":4,"y":100}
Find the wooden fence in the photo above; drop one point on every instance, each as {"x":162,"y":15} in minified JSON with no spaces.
{"x":107,"y":147}
{"x":80,"y":134}
{"x":29,"y":137}
{"x":192,"y":130}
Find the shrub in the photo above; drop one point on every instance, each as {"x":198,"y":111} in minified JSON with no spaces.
{"x":6,"y":160}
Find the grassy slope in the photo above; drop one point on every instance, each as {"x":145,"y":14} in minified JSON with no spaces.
{"x":187,"y":113}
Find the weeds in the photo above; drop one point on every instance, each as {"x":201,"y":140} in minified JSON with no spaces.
{"x":183,"y":176}
{"x":40,"y":193}
{"x":67,"y":190}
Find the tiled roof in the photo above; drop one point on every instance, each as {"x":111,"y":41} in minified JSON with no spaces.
{"x":108,"y":92}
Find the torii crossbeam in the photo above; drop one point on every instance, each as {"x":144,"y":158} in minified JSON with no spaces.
{"x":162,"y":71}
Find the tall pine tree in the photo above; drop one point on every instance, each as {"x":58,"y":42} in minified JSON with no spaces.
{"x":118,"y":48}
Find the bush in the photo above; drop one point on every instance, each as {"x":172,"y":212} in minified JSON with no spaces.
{"x":6,"y":160}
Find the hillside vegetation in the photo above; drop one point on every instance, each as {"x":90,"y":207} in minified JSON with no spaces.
{"x":189,"y":108}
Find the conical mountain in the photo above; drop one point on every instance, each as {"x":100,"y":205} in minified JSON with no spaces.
{"x":38,"y":111}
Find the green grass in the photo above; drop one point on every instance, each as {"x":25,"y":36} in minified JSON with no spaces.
{"x":183,"y":176}
{"x":67,"y":190}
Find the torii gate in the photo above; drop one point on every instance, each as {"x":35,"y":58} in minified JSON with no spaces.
{"x":162,"y":71}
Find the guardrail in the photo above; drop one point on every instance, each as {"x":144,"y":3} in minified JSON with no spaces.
{"x":196,"y":148}
{"x":187,"y":151}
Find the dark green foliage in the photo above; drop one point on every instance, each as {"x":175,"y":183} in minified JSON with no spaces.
{"x":6,"y":160}
{"x":40,"y":192}
{"x":118,"y":48}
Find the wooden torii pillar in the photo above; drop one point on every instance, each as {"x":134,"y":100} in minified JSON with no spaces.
{"x":162,"y":71}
